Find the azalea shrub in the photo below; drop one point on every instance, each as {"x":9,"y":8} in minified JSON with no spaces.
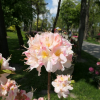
{"x":9,"y":89}
{"x":95,"y":72}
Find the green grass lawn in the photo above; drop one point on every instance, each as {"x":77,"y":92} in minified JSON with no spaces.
{"x":84,"y":87}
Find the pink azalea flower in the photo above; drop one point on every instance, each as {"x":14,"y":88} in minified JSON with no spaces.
{"x":4,"y":66}
{"x":91,"y":69}
{"x":75,"y":36}
{"x":41,"y":98}
{"x":5,"y":88}
{"x":98,"y":63}
{"x":96,"y":72}
{"x":62,"y":85}
{"x":12,"y":93}
{"x":22,"y":95}
{"x":50,"y":50}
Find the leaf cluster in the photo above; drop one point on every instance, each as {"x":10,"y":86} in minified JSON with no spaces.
{"x":70,"y":12}
{"x":17,"y":11}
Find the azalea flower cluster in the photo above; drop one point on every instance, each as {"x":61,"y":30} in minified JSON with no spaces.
{"x":62,"y":85}
{"x":5,"y":69}
{"x":10,"y":91}
{"x":8,"y":88}
{"x":50,"y":50}
{"x":41,"y":98}
{"x":95,"y":71}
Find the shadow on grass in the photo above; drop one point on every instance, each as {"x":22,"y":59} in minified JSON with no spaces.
{"x":81,"y":69}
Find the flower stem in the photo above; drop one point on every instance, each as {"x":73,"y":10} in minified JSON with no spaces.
{"x":61,"y":98}
{"x":49,"y":82}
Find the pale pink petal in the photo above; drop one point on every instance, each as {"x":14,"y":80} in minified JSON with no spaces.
{"x":49,"y":66}
{"x":63,"y":58}
{"x":67,"y":64}
{"x":57,"y":89}
{"x":3,"y":79}
{"x":30,"y":95}
{"x":39,"y":70}
{"x":41,"y":98}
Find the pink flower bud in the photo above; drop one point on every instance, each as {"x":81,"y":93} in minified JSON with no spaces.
{"x":98,"y":63}
{"x":96,"y":72}
{"x":91,"y":69}
{"x":41,"y":98}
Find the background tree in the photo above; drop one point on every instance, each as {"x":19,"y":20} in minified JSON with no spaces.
{"x":94,"y":18}
{"x":81,"y":27}
{"x":15,"y":13}
{"x":3,"y":40}
{"x":40,"y":7}
{"x":87,"y":19}
{"x":58,"y":10}
{"x":70,"y":13}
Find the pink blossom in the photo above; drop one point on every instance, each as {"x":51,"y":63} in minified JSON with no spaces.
{"x":4,"y":89}
{"x":96,"y":72}
{"x":62,"y":85}
{"x":22,"y":95}
{"x":12,"y":93}
{"x":41,"y":98}
{"x":91,"y":69}
{"x":75,"y":36}
{"x":4,"y":66}
{"x":98,"y":63}
{"x":50,"y":50}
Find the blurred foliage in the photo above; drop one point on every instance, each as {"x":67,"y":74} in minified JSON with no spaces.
{"x":11,"y":28}
{"x":69,"y":13}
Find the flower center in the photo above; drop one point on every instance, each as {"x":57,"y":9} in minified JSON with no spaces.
{"x":58,"y":52}
{"x":44,"y":54}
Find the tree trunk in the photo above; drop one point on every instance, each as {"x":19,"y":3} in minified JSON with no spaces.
{"x":54,"y":25}
{"x":25,"y":28}
{"x":3,"y":40}
{"x":82,"y":26}
{"x":87,"y":20}
{"x":20,"y":38}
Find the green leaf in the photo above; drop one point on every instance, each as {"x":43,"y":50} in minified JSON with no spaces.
{"x":8,"y":71}
{"x":1,"y":61}
{"x":72,"y":81}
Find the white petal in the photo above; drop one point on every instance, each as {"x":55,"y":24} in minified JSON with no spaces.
{"x":67,"y":64}
{"x":57,"y":89}
{"x":49,"y":66}
{"x":63,"y":58}
{"x":30,"y":95}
